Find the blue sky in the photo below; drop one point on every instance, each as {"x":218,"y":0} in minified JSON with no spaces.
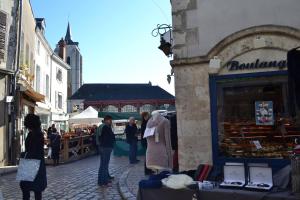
{"x":114,"y":37}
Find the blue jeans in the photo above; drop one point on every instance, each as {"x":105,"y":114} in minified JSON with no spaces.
{"x":103,"y":176}
{"x":132,"y":151}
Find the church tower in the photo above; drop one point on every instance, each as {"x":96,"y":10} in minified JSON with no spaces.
{"x":73,"y":57}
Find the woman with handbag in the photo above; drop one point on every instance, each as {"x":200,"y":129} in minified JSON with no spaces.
{"x":34,"y":149}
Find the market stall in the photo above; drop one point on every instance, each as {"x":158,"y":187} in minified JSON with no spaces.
{"x":88,"y":116}
{"x":119,"y":123}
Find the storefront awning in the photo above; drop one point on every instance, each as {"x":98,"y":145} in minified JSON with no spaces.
{"x":35,"y":96}
{"x":42,"y":108}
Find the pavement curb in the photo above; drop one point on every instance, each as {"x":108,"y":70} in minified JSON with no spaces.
{"x":123,"y":188}
{"x":8,"y":170}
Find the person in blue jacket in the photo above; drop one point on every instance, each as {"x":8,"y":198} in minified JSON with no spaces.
{"x":107,"y":141}
{"x":131,"y":132}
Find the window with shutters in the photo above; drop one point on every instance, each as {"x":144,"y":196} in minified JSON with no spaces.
{"x":59,"y":100}
{"x":3,"y":27}
{"x":22,"y":49}
{"x":38,"y":79}
{"x":47,"y":87}
{"x":27,"y":54}
{"x":38,"y":47}
{"x":59,"y":75}
{"x":60,"y":104}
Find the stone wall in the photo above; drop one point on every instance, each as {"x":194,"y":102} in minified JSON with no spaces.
{"x":192,"y":84}
{"x":199,"y":25}
{"x":193,"y":115}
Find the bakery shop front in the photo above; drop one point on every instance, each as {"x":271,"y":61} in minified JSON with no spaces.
{"x":251,"y":118}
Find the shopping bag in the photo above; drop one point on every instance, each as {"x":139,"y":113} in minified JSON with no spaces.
{"x":28,"y":169}
{"x":1,"y":195}
{"x":49,"y":152}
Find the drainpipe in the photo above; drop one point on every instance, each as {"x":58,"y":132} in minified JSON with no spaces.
{"x":14,"y":84}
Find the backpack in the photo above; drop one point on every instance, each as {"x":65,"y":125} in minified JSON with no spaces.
{"x":99,"y":133}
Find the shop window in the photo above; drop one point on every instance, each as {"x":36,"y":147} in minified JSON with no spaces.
{"x":110,"y":108}
{"x":147,"y":108}
{"x":253,"y":120}
{"x":129,"y":108}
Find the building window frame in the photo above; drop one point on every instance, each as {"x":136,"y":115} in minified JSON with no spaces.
{"x":217,"y":158}
{"x":38,"y":47}
{"x":59,"y":75}
{"x":128,"y":108}
{"x":59,"y":100}
{"x":38,"y":78}
{"x":147,"y":108}
{"x":47,"y":88}
{"x":110,"y":108}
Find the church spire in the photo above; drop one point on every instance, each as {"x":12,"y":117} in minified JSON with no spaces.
{"x":68,"y":37}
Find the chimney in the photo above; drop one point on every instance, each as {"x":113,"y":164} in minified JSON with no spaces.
{"x":62,"y":49}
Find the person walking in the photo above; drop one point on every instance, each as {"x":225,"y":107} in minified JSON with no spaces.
{"x":145,"y":118}
{"x":34,"y":149}
{"x":131,"y":138}
{"x":107,"y":141}
{"x":55,"y":140}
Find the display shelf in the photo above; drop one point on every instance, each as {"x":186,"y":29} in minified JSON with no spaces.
{"x":239,"y":138}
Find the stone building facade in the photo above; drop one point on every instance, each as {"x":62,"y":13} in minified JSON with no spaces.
{"x":8,"y":38}
{"x":51,"y":80}
{"x":217,"y":43}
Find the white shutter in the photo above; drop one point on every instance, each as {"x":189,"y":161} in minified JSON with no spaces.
{"x":56,"y":99}
{"x":3,"y":27}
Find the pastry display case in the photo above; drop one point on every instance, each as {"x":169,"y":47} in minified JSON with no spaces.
{"x":248,"y":140}
{"x":253,"y":118}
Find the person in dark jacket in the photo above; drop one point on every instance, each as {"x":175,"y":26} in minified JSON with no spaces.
{"x":55,"y":140}
{"x":50,"y":130}
{"x":131,"y":138}
{"x":145,"y":118}
{"x":34,"y":149}
{"x":107,"y":141}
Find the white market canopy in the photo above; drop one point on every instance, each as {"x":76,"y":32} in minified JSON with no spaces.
{"x":88,"y":116}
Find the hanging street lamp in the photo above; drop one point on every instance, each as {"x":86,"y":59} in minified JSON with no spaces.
{"x":166,"y":38}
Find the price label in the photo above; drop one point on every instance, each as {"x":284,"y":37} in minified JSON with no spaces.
{"x":257,"y":144}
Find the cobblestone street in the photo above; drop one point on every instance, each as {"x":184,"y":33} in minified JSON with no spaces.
{"x":77,"y":180}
